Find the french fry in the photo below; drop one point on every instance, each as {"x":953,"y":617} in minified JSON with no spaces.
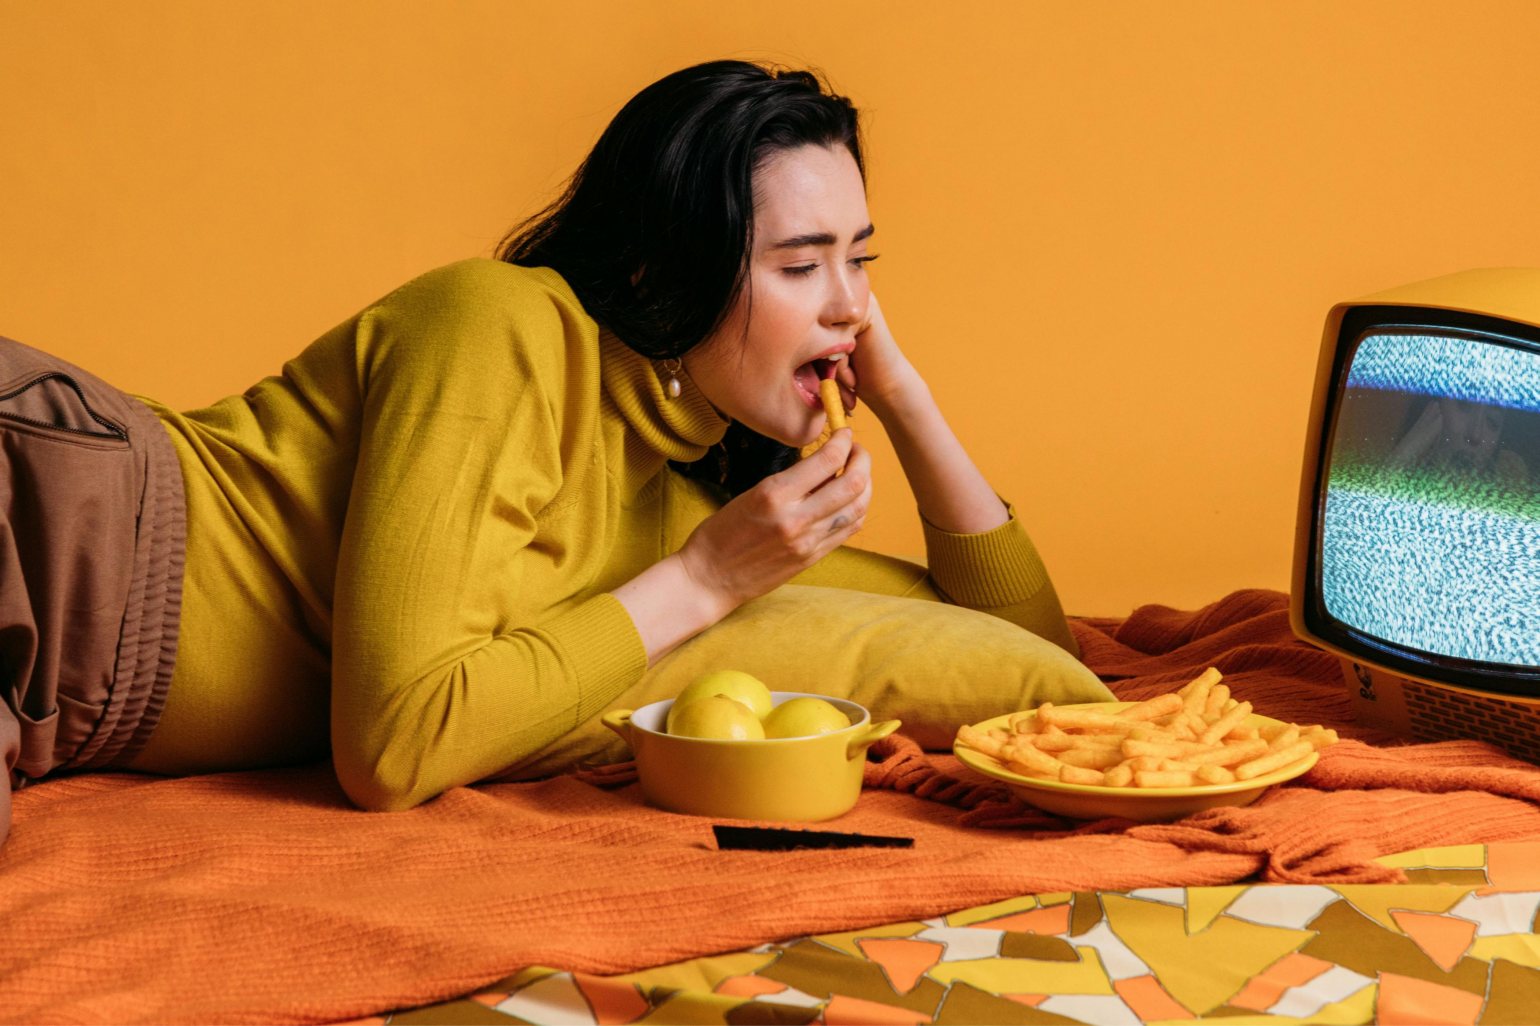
{"x":1319,"y":737}
{"x":1182,"y":728}
{"x":1151,"y":732}
{"x":833,"y":405}
{"x":1047,"y":734}
{"x":1231,"y":754}
{"x":1195,"y":695}
{"x":1081,"y":775}
{"x":1062,"y":741}
{"x":834,"y":418}
{"x":1034,"y":760}
{"x":1214,"y":775}
{"x":1216,"y":705}
{"x":1121,"y":775}
{"x":1153,"y":708}
{"x":979,"y":741}
{"x":1273,"y":760}
{"x":1097,"y":758}
{"x":1169,"y":749}
{"x":1203,"y":681}
{"x":1284,"y":738}
{"x":1226,"y":723}
{"x":1082,"y":719}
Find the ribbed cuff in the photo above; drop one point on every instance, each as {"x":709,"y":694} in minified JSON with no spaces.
{"x":600,"y":639}
{"x":999,"y":567}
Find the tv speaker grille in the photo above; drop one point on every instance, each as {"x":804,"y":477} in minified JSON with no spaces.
{"x":1440,"y":715}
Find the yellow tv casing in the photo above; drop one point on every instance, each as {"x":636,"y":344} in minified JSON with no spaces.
{"x":1410,"y":705}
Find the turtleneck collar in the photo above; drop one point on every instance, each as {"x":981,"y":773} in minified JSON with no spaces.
{"x":682,"y":428}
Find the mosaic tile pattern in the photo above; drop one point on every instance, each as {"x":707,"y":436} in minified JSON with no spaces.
{"x":1455,"y":944}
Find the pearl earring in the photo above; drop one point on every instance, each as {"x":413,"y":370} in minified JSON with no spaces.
{"x":672,"y":386}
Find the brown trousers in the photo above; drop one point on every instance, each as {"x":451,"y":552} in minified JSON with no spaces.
{"x":92,"y":528}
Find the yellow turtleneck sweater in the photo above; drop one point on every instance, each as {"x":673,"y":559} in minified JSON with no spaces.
{"x":401,"y":549}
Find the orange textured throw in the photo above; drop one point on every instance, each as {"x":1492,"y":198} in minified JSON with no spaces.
{"x":247,"y":897}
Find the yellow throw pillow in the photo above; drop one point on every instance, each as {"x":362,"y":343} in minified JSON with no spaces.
{"x":932,"y":665}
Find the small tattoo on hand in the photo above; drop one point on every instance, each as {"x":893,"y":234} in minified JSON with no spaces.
{"x":838,"y":522}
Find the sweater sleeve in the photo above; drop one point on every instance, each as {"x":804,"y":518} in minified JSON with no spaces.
{"x":446,"y":667}
{"x":997,"y":572}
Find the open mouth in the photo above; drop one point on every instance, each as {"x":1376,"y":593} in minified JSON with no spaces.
{"x":811,"y":373}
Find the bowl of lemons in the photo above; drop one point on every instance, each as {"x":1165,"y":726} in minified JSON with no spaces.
{"x":728,"y":746}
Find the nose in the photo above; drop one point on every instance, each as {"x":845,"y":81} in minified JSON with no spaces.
{"x":845,"y":305}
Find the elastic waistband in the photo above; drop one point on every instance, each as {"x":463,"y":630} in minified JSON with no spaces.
{"x":147,"y":645}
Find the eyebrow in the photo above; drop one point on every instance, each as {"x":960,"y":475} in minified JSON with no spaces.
{"x":819,"y":239}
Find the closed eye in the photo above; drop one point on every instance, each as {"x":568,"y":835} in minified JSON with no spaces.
{"x":806,"y":269}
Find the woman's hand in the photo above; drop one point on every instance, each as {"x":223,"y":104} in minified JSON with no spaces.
{"x":783,"y":525}
{"x":948,"y":487}
{"x":877,"y":369}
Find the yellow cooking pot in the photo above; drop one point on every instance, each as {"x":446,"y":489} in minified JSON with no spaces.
{"x":799,"y":779}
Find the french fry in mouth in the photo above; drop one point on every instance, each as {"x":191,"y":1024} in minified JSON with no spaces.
{"x":833,"y":405}
{"x":834,"y":417}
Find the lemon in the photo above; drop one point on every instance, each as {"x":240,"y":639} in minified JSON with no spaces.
{"x":804,"y":717}
{"x":736,"y":684}
{"x":716,"y":716}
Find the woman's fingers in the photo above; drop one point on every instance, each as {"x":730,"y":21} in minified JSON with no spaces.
{"x":827,"y":494}
{"x":848,"y":495}
{"x":790,"y":520}
{"x":846,"y":376}
{"x":806,"y":475}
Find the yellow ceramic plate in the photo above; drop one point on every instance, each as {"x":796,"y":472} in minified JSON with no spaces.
{"x":1145,"y":804}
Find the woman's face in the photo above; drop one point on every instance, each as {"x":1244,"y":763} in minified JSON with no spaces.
{"x":807,"y":276}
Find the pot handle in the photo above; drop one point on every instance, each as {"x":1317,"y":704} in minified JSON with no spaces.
{"x":619,"y":720}
{"x":864,"y":740}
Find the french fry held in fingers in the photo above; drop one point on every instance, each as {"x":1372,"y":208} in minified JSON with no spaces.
{"x":1197,"y":736}
{"x":833,"y":405}
{"x":834,"y":417}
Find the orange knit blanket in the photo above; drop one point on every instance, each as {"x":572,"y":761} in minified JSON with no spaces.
{"x":263,"y":897}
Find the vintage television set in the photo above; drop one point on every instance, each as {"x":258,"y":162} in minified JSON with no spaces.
{"x":1417,"y":551}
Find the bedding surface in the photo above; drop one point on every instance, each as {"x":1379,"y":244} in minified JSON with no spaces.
{"x":264,"y":897}
{"x":1455,"y":944}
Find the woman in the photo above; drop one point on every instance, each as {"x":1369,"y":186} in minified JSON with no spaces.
{"x":449,"y":533}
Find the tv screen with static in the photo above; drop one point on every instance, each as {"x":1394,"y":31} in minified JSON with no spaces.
{"x":1428,"y":538}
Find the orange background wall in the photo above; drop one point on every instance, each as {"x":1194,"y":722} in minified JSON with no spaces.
{"x":1110,"y":232}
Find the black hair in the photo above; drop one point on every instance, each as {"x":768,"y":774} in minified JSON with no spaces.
{"x":654,"y":229}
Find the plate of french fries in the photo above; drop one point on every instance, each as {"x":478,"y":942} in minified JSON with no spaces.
{"x":1163,"y":758}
